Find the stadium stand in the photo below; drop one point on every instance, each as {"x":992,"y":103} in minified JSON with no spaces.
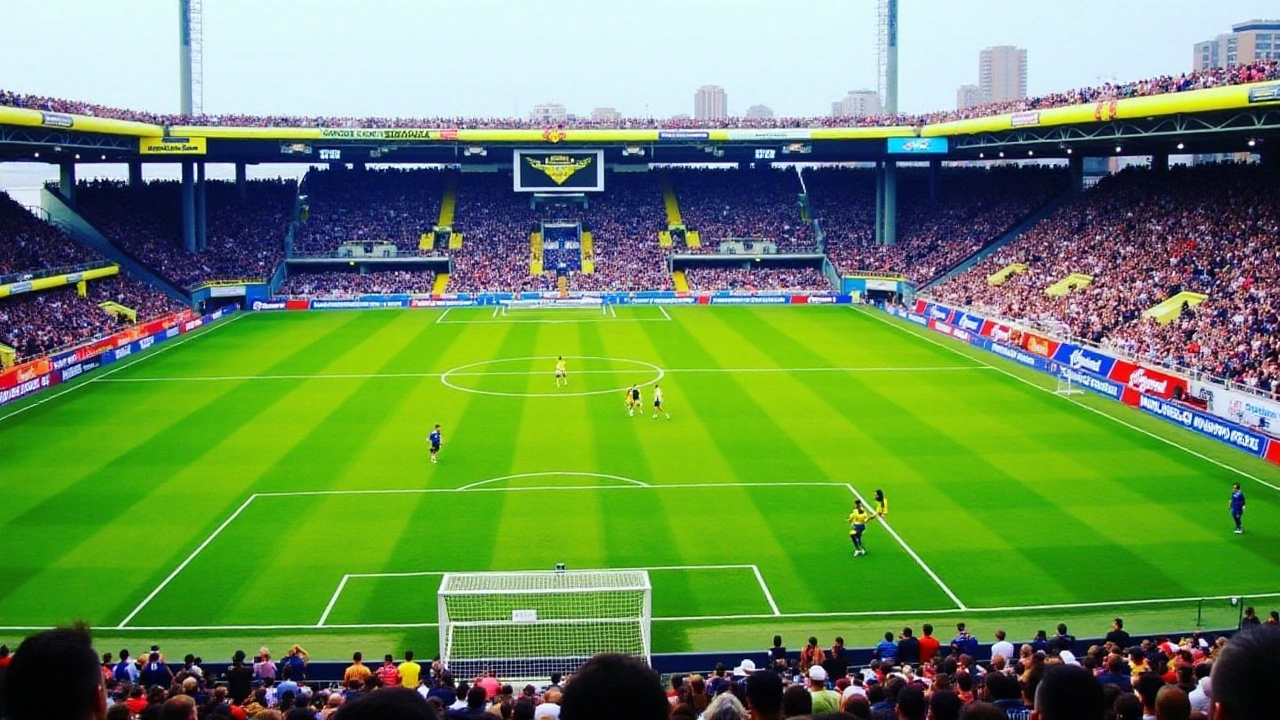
{"x":387,"y":205}
{"x":740,"y":280}
{"x":1143,"y":237}
{"x":975,"y":206}
{"x":340,"y":284}
{"x":724,"y":205}
{"x":1233,"y":678}
{"x":245,"y":239}
{"x":36,"y":323}
{"x":1164,"y":84}
{"x":496,"y":224}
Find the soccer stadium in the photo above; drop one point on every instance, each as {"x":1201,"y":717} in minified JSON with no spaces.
{"x":876,"y":414}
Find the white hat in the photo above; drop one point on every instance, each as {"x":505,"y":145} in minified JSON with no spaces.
{"x":855,"y":690}
{"x":819,"y":673}
{"x":547,"y":711}
{"x":746,"y":667}
{"x":1068,"y":657}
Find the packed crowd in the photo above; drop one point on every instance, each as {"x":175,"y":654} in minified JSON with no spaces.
{"x":1145,"y":236}
{"x":758,"y":279}
{"x":245,"y":239}
{"x":30,"y":245}
{"x":1160,"y":85}
{"x":345,"y":284}
{"x":973,"y":208}
{"x":386,"y":205}
{"x":761,"y":204}
{"x":624,"y":222}
{"x":495,"y":224}
{"x":38,"y":323}
{"x":910,"y":678}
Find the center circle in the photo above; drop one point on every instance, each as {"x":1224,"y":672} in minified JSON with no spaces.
{"x":545,"y":366}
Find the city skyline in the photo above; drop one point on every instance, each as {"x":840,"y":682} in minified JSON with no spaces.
{"x":339,"y":62}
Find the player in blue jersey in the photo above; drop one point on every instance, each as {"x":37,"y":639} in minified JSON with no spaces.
{"x":1237,"y":507}
{"x":434,"y":439}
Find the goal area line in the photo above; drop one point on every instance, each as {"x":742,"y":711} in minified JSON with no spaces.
{"x":755,"y":570}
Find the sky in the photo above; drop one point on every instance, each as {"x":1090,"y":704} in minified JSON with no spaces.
{"x":483,"y":58}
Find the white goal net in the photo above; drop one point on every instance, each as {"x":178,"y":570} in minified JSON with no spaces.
{"x":589,"y":303}
{"x":527,"y":625}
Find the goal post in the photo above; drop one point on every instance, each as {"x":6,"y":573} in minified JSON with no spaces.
{"x":1065,"y":385}
{"x":589,"y":302}
{"x":528,"y":625}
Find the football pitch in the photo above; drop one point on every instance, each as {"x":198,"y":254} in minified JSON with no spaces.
{"x":267,"y":481}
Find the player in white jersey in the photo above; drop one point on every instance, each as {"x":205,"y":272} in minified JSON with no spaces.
{"x":657,"y":403}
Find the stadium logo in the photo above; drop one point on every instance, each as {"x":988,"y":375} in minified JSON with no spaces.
{"x":1081,"y":359}
{"x":559,"y":167}
{"x":554,"y":135}
{"x":971,"y":323}
{"x":939,"y":313}
{"x":260,"y":305}
{"x":1140,"y":381}
{"x":1260,"y":410}
{"x":1000,"y":333}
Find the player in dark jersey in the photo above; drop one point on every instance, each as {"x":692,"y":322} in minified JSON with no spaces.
{"x":633,"y":401}
{"x":1237,"y":507}
{"x":435,"y":440}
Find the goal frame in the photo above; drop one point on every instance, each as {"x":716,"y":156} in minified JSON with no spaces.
{"x":539,"y":586}
{"x":587,"y":302}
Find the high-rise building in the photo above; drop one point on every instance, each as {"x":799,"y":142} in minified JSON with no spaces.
{"x":548,"y":112}
{"x":606,"y":114}
{"x":1002,"y":73}
{"x":857,"y":103}
{"x":710,"y":103}
{"x":1247,"y":42}
{"x":759,"y":112}
{"x":968,"y":96}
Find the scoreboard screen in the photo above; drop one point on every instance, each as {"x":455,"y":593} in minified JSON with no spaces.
{"x":567,"y":171}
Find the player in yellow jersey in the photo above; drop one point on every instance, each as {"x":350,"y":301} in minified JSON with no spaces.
{"x":882,"y":505}
{"x":633,"y":401}
{"x":561,"y":374}
{"x":857,"y":525}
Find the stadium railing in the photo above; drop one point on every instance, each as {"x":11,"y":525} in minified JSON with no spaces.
{"x":49,"y":272}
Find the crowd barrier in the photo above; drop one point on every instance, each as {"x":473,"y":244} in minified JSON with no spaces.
{"x":490,"y":299}
{"x":1156,"y":392}
{"x":37,"y":375}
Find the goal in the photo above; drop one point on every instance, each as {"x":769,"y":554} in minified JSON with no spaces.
{"x":557,"y":303}
{"x":528,"y":625}
{"x":1065,"y":385}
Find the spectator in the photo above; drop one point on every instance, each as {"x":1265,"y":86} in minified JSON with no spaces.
{"x":725,"y":707}
{"x":825,"y":700}
{"x":1002,"y":646}
{"x":389,"y":704}
{"x":796,"y":701}
{"x":410,"y":671}
{"x":1128,"y":707}
{"x":837,"y":662}
{"x":1063,"y":640}
{"x":239,"y":678}
{"x":886,"y":650}
{"x":1069,"y":692}
{"x":964,"y":643}
{"x":263,"y":668}
{"x":180,"y":707}
{"x":811,"y":654}
{"x":908,"y":648}
{"x":944,"y":705}
{"x":614,"y":687}
{"x":929,"y":645}
{"x":764,"y":695}
{"x":1245,"y":681}
{"x":1118,"y":636}
{"x":1172,"y":704}
{"x":32,"y":692}
{"x":912,"y":704}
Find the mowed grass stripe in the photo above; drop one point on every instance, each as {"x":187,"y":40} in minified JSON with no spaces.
{"x":120,"y":486}
{"x":347,"y":416}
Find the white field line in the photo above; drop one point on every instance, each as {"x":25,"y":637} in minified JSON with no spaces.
{"x":765,"y":589}
{"x":655,"y":568}
{"x":607,"y":476}
{"x":442,"y":315}
{"x":546,"y":488}
{"x":612,"y":311}
{"x":665,"y":314}
{"x":333,"y":600}
{"x":120,"y":366}
{"x":217,"y":531}
{"x":371,"y":376}
{"x":1077,"y":403}
{"x":503,"y":320}
{"x":919,"y":561}
{"x":496,"y":309}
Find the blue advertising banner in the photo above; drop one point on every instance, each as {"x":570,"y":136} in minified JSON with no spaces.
{"x":1206,"y":425}
{"x":1081,"y":358}
{"x":918,"y":146}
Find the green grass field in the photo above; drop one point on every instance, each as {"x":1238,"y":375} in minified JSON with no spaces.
{"x":267,"y":481}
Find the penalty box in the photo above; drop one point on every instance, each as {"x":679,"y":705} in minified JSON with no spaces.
{"x":374,"y":558}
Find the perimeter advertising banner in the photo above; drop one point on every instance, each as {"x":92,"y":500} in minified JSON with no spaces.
{"x":172,"y":146}
{"x":562,"y":171}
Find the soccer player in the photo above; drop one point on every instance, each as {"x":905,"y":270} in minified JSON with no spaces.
{"x":435,"y":440}
{"x":561,"y":375}
{"x":633,"y":401}
{"x":882,"y":505}
{"x":1237,"y":507}
{"x":857,"y":524}
{"x":657,"y":403}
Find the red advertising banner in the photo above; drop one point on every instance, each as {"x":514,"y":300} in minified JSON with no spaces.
{"x":297,"y":305}
{"x":1145,"y":380}
{"x":921,"y":306}
{"x":1273,"y":451}
{"x":1036,"y":345}
{"x":25,"y":372}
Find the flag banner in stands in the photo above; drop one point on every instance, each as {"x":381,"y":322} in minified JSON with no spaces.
{"x":565,"y":171}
